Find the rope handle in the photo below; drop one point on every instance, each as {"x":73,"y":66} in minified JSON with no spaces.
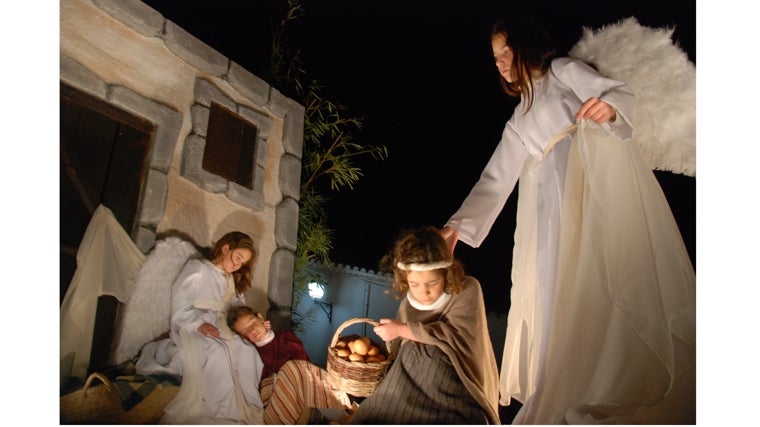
{"x":354,"y":321}
{"x":92,"y":376}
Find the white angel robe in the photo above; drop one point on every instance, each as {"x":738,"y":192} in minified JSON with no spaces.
{"x":537,"y":285}
{"x":220,"y":376}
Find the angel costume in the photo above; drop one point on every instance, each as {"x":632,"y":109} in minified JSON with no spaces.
{"x":220,"y":376}
{"x":447,"y":376}
{"x":601,"y":326}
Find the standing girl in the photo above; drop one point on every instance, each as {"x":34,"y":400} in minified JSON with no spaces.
{"x":601,"y":324}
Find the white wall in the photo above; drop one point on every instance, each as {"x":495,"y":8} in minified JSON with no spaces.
{"x":354,"y":294}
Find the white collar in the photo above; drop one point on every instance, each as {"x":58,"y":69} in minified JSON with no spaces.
{"x":216,"y":267}
{"x":267,"y":339}
{"x":440,"y":302}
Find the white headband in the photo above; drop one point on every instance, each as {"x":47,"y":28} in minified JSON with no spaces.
{"x":423,"y":266}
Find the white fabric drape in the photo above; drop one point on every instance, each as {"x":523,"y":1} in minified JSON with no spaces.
{"x":107,"y":264}
{"x":624,"y":321}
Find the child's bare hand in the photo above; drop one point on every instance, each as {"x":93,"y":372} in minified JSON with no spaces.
{"x":388,"y":329}
{"x":208,"y":330}
{"x":597,"y":110}
{"x":451,"y":236}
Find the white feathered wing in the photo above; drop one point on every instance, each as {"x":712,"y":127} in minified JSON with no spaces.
{"x":147,"y":312}
{"x":662,"y":78}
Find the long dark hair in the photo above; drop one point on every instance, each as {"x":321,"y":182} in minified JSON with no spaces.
{"x":533,"y":52}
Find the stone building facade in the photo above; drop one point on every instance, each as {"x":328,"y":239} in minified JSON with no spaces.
{"x":123,"y":58}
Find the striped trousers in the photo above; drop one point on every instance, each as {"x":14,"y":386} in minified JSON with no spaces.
{"x":298,"y":385}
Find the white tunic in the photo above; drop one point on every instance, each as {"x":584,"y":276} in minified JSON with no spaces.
{"x":220,"y":376}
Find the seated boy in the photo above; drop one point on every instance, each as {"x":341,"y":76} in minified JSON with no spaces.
{"x":274,"y":348}
{"x":290,"y":384}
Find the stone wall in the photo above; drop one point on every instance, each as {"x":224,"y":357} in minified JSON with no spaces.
{"x":125,"y":53}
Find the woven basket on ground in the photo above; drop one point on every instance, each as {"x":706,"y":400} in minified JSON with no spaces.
{"x":99,"y":404}
{"x":356,"y":378}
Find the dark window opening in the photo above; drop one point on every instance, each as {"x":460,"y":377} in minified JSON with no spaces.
{"x":103,"y":160}
{"x":230,"y":146}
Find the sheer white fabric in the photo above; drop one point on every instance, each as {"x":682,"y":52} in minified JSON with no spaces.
{"x":622,"y":348}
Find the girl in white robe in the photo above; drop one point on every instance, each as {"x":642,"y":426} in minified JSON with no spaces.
{"x":597,"y":329}
{"x":220,"y":372}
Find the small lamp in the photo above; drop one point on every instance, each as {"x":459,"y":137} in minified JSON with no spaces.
{"x":317,"y":293}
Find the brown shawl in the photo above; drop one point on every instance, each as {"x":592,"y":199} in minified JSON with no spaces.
{"x":460,"y":330}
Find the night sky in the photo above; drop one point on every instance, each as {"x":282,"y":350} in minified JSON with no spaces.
{"x":422,"y":77}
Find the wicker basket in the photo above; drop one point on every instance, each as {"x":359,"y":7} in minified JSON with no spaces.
{"x":100,"y":404}
{"x":356,"y":378}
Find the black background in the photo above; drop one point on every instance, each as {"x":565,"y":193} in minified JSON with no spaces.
{"x":421,"y":75}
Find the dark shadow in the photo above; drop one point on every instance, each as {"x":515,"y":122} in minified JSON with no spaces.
{"x":507,"y":413}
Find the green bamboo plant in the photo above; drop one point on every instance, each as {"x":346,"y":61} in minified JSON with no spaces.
{"x":328,"y":160}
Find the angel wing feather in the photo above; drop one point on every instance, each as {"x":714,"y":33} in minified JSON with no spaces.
{"x":147,"y":312}
{"x":664,"y":81}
